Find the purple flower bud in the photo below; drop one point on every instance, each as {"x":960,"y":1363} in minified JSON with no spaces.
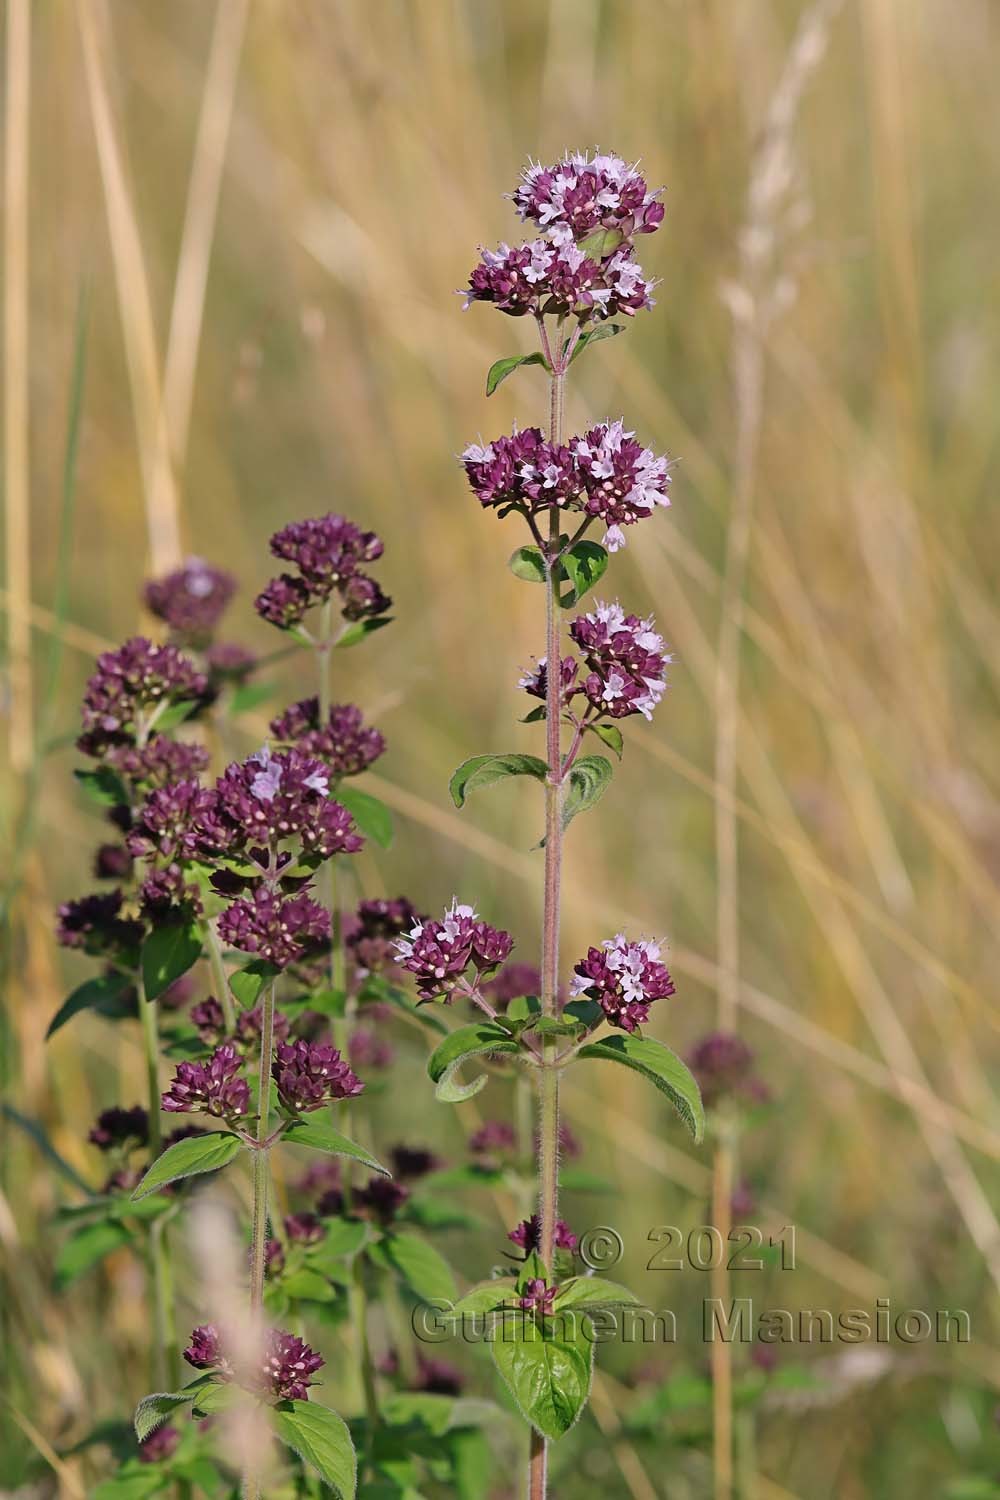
{"x":513,"y":981}
{"x":413,"y":1162}
{"x":270,"y":799}
{"x":166,"y":895}
{"x":158,"y":762}
{"x":207,"y":1016}
{"x":381,"y":1199}
{"x":723,"y":1065}
{"x":538,"y":1297}
{"x":288,"y":1365}
{"x":371,"y":932}
{"x":622,"y":482}
{"x":159,"y":1446}
{"x":112,"y":862}
{"x":304,"y":1229}
{"x":492,"y":1137}
{"x":624,"y":979}
{"x":328,"y":552}
{"x":311,"y":1074}
{"x":191,"y":600}
{"x":343,"y":742}
{"x":438,"y":1377}
{"x":626,"y":659}
{"x":528,"y":1235}
{"x":367,"y":1049}
{"x":274,"y":1258}
{"x":95,"y":924}
{"x":213,"y":1088}
{"x":228,"y":661}
{"x":204,"y":1351}
{"x":174,"y":822}
{"x":248,"y":1028}
{"x":274,"y":928}
{"x":120,"y":1127}
{"x":127,"y":689}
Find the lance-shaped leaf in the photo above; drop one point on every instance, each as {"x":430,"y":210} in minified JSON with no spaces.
{"x":371,"y":815}
{"x":130,"y":1483}
{"x":201,"y":1153}
{"x":484,"y":770}
{"x":321,"y":1440}
{"x":499,"y":371}
{"x":320,"y":1136}
{"x":594,"y":336}
{"x":477,"y":1040}
{"x":588,"y":780}
{"x":154,"y":1410}
{"x":415,"y":1260}
{"x":611,"y":736}
{"x":487,"y":1297}
{"x":247,"y":983}
{"x":583,"y":565}
{"x":111,"y":995}
{"x":547,"y":1371}
{"x":86,"y":1247}
{"x":103,"y":786}
{"x":361,"y":628}
{"x":593,"y":1291}
{"x":168,"y":952}
{"x":662,"y":1067}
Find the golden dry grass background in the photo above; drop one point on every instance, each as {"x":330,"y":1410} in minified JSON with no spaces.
{"x":821,"y":362}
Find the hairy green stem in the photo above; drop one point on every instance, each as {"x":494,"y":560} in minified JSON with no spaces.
{"x":166,"y":1365}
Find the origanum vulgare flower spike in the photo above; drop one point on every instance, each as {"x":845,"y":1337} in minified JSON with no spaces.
{"x":624,"y":979}
{"x":129,"y":685}
{"x":343,"y":741}
{"x":538,"y":1297}
{"x":158,"y":762}
{"x":582,"y":193}
{"x":542,"y":277}
{"x":381,"y":1199}
{"x":310,"y":1075}
{"x":723,"y":1065}
{"x":174,"y":822}
{"x":214,"y":1088}
{"x":304,"y":1229}
{"x":191,"y":600}
{"x":120,"y":1127}
{"x":95,"y":924}
{"x":328,"y":552}
{"x":622,"y":481}
{"x":288,"y":1365}
{"x":371,"y":933}
{"x":274,"y":927}
{"x":528,"y":1235}
{"x":439,"y":953}
{"x":413,"y":1162}
{"x":271,"y":798}
{"x":626,"y":658}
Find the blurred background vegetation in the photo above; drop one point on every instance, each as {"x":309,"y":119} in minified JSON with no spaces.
{"x":231,"y":239}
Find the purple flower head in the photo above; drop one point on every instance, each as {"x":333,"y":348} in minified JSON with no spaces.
{"x":248,"y":1028}
{"x":304,"y":1229}
{"x":626,"y":660}
{"x":743,"y":1202}
{"x":366,"y":1049}
{"x":158,"y":762}
{"x":622,"y":481}
{"x":274,"y":1258}
{"x":288,"y":1365}
{"x":112,"y":862}
{"x":160,"y":1445}
{"x":273,"y":927}
{"x":528,"y":1235}
{"x":624,"y":979}
{"x":328,"y":552}
{"x":580,"y":194}
{"x":95,"y":924}
{"x":492,"y":1137}
{"x":127,"y":690}
{"x":120,"y":1127}
{"x":512,"y":982}
{"x":413,"y":1162}
{"x":537,"y":1297}
{"x":204,"y":1351}
{"x":191,"y":600}
{"x":534,"y":680}
{"x":177,"y":995}
{"x":228,"y":661}
{"x":214,"y":1088}
{"x":381,"y":1199}
{"x":207,"y":1016}
{"x":312,"y":1074}
{"x":166,"y":894}
{"x":723,"y":1065}
{"x":343,"y":742}
{"x":270,"y":799}
{"x":174,"y":822}
{"x":320,"y":1176}
{"x":543,"y":277}
{"x":438,"y":1377}
{"x":522,"y":469}
{"x":439,"y":953}
{"x":373,"y":930}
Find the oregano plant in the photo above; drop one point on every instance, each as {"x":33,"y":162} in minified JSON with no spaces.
{"x":572,"y":279}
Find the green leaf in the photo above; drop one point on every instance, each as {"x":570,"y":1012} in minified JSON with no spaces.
{"x":372,"y":816}
{"x":173,"y":715}
{"x":250,"y":695}
{"x":503,"y":367}
{"x":154,"y":1410}
{"x":584,"y":565}
{"x":134,"y":1485}
{"x":321,"y":1440}
{"x":201,"y":1153}
{"x":103,"y":786}
{"x":168,"y":952}
{"x":594,"y":336}
{"x":416,"y":1261}
{"x":322,"y":1137}
{"x":593,"y":1291}
{"x":393,"y":995}
{"x":359,"y":629}
{"x":535,"y":716}
{"x":485,"y":1298}
{"x":611,"y":736}
{"x":662,"y":1067}
{"x":547,"y":1371}
{"x":219,"y":1395}
{"x":589,"y":778}
{"x":308,"y":1285}
{"x":471,"y":1463}
{"x":523,"y":1008}
{"x":579,"y":1180}
{"x":86,"y":1247}
{"x":468,"y":1041}
{"x":343,"y":1237}
{"x":111,"y":995}
{"x":247,"y":983}
{"x":528,"y":564}
{"x":601,"y":243}
{"x":484,"y":770}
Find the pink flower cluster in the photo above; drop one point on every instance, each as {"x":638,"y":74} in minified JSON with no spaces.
{"x":624,"y":979}
{"x":622,"y":665}
{"x":581,"y":194}
{"x":439,"y":953}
